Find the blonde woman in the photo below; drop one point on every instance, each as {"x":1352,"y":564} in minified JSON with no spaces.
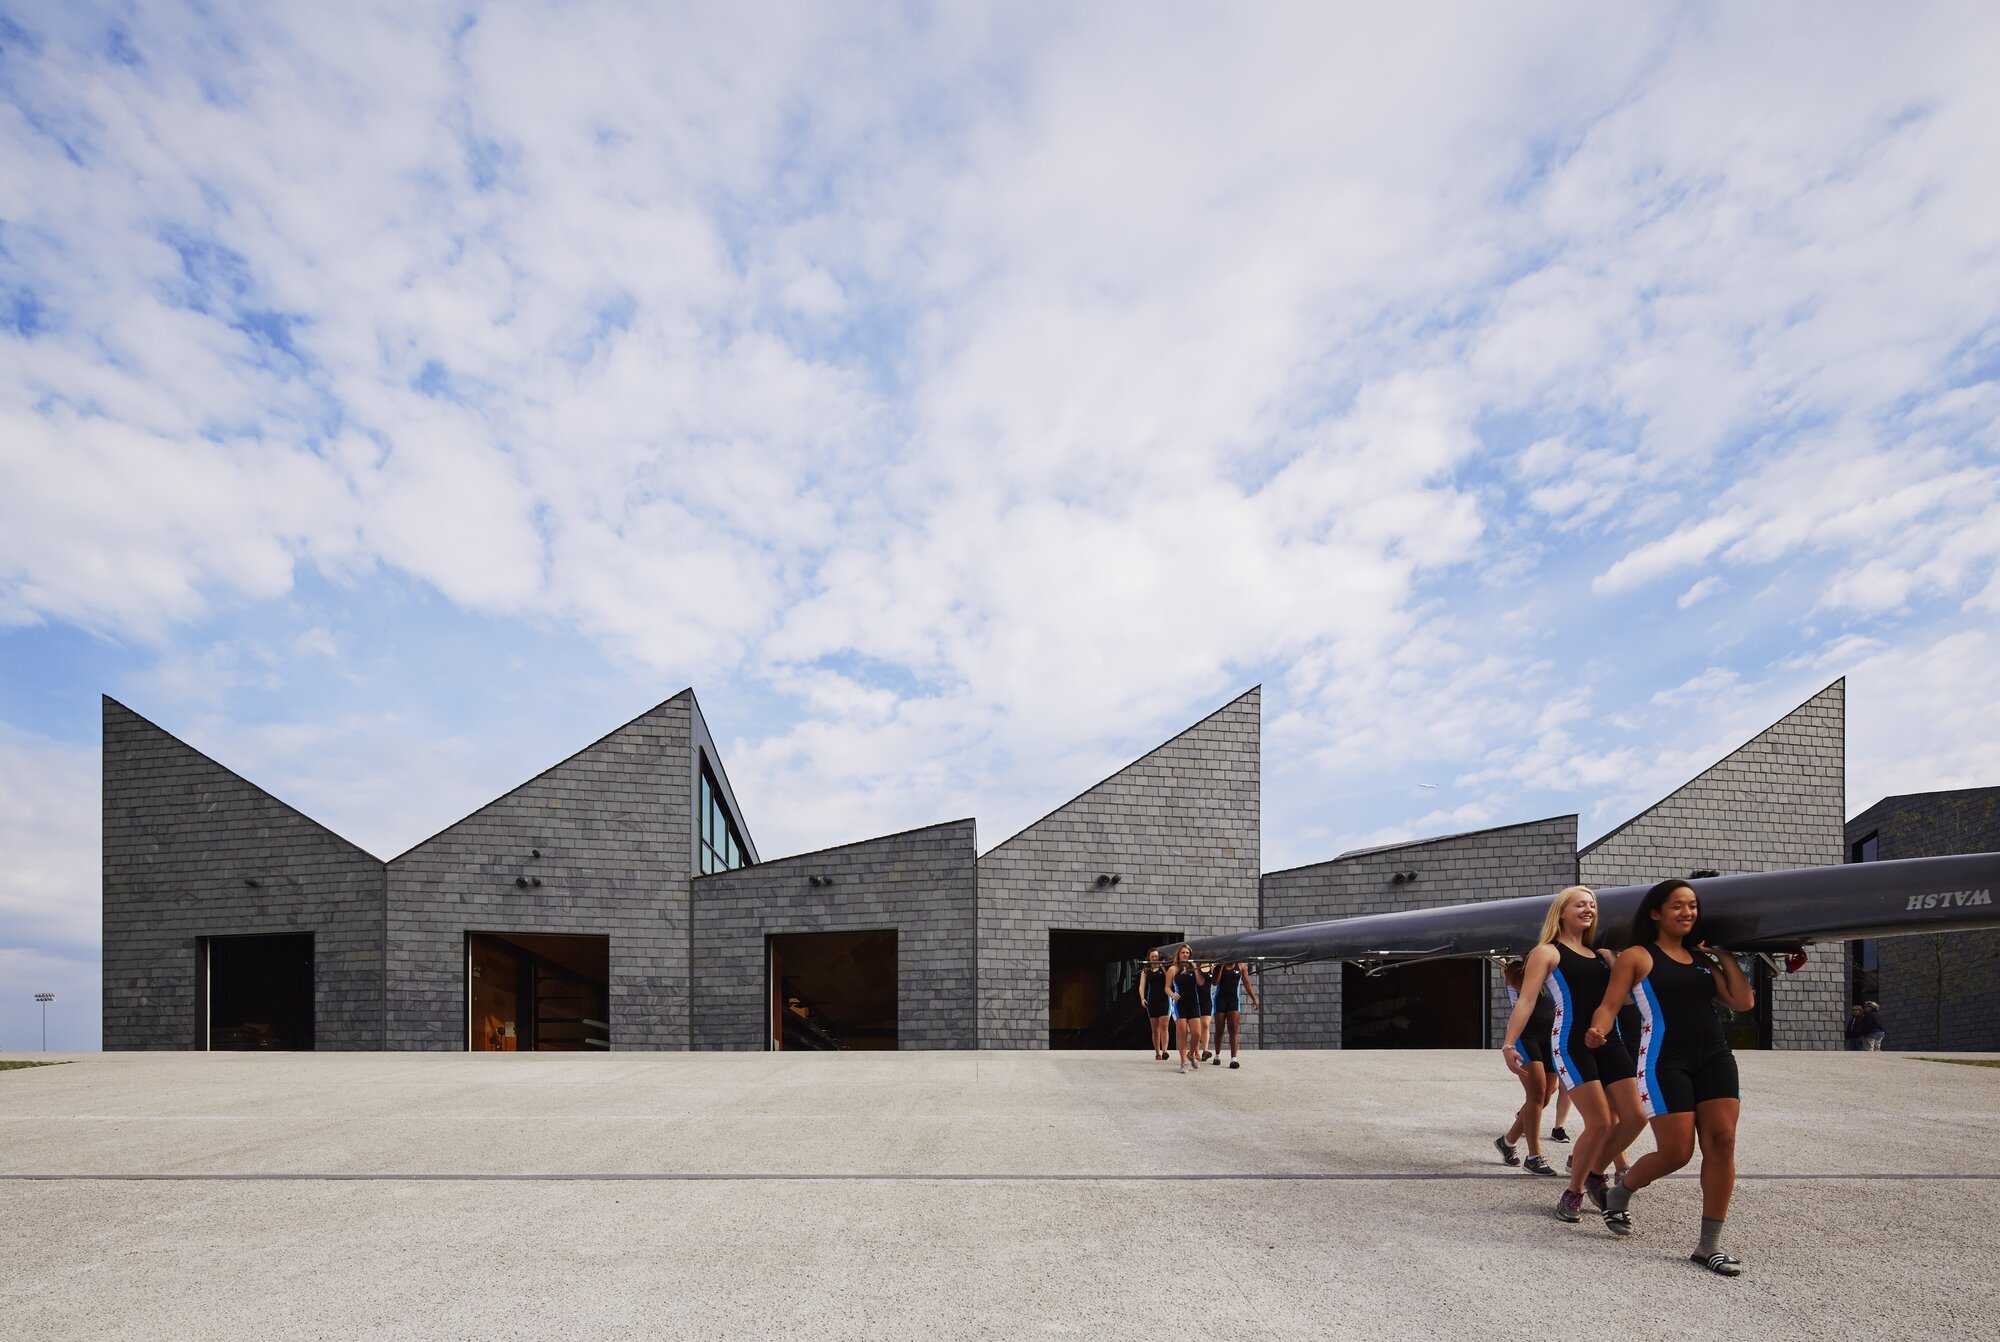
{"x":1600,"y":1080}
{"x":1186,"y":989}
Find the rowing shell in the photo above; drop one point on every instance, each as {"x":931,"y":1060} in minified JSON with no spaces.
{"x":1770,"y":912}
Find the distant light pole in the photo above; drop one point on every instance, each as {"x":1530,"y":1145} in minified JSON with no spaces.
{"x":45,"y":999}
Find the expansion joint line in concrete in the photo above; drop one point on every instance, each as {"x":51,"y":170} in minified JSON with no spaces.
{"x":766,"y":1177}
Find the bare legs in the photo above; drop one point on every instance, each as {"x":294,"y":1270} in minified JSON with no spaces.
{"x":1598,"y":1126}
{"x":1229,"y":1023}
{"x":1528,"y":1118}
{"x":1624,"y":1096}
{"x":1185,"y":1030}
{"x":1160,"y":1041}
{"x":1713,"y":1124}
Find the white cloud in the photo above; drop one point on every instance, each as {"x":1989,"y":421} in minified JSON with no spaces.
{"x":1064,"y":376}
{"x":1698,"y":591}
{"x":49,"y":826}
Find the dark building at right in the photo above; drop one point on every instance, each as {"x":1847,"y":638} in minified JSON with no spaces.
{"x":1937,"y":992}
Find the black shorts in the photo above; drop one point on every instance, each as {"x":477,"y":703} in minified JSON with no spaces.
{"x":1671,"y":1086}
{"x":1577,"y":1064}
{"x":1532,"y":1048}
{"x":1156,"y":1007}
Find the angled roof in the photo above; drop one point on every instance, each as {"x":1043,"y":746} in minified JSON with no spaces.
{"x":1126,"y":768}
{"x":1840,"y":682}
{"x":258,"y":788}
{"x":1419,"y":843}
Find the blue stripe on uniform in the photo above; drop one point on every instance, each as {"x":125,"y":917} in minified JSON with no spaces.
{"x":1558,"y":1034}
{"x":1652,"y":1039}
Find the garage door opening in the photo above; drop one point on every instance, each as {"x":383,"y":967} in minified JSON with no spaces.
{"x":533,"y":993}
{"x":259,"y":992}
{"x":832,"y":991}
{"x":1441,"y":1004}
{"x":1094,"y":988}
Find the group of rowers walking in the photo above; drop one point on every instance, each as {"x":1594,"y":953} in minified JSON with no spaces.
{"x":1628,"y":1040}
{"x":1625,"y":1040}
{"x":1195,"y":1000}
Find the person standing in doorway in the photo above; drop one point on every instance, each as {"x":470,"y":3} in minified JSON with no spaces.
{"x":1872,"y":1033}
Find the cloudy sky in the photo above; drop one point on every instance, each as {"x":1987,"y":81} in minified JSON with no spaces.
{"x":1536,"y":400}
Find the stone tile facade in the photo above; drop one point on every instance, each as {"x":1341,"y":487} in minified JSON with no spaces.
{"x":1302,"y":1006}
{"x":1180,"y":829}
{"x":923,"y":884}
{"x":616,"y":831}
{"x":191,"y":851}
{"x":1937,"y":992}
{"x":1777,"y":802}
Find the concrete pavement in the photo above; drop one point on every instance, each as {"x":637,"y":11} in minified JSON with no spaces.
{"x":949,"y":1195}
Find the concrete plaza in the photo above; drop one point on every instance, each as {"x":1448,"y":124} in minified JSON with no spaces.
{"x":948,"y":1195}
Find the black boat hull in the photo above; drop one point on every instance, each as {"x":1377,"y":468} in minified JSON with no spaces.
{"x":1770,"y":911}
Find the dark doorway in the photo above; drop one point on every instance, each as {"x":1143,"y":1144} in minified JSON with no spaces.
{"x":528,"y":992}
{"x":1438,"y":1004}
{"x":1750,"y":1030}
{"x":1094,"y":988}
{"x":260,"y":992}
{"x":832,"y":991}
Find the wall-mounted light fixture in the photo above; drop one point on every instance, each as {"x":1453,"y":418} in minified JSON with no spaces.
{"x":1116,"y":877}
{"x":819,"y":880}
{"x":1402,"y":877}
{"x":534,"y":880}
{"x":521,"y":882}
{"x":534,"y":852}
{"x":253,"y":882}
{"x":1102,"y":880}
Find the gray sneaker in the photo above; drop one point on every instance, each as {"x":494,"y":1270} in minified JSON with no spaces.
{"x":1569,"y":1207}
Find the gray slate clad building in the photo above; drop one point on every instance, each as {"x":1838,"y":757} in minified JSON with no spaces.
{"x":1774,"y":803}
{"x":617,"y":901}
{"x":1305,"y":1005}
{"x":1937,"y":992}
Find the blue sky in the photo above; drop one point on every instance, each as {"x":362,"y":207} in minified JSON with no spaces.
{"x":1537,"y":402}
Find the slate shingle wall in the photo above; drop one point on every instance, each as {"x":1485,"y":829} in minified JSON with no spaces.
{"x":1302,"y":1006}
{"x":1179,"y":826}
{"x":1776,"y":803}
{"x":615,"y":827}
{"x":182,"y":835}
{"x":1937,"y":992}
{"x":922,"y":884}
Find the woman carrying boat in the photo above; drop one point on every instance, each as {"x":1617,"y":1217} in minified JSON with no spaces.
{"x":1186,"y":987}
{"x":1689,"y":1089}
{"x":1535,"y":1077}
{"x":1600,"y":1079}
{"x":1153,"y":999}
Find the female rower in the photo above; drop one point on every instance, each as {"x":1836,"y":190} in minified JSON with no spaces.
{"x":1600,"y":1079}
{"x":1185,"y":989}
{"x":1153,"y":997}
{"x":1690,"y":1089}
{"x":1535,"y":1076}
{"x":1231,"y":982}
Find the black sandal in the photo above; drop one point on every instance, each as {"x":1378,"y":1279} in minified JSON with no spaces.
{"x":1721,"y":1264}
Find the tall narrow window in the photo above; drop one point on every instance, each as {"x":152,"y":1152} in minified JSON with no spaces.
{"x":721,"y":846}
